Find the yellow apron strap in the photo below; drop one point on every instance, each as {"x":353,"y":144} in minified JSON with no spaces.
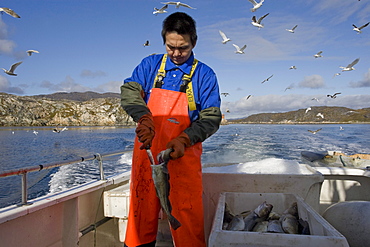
{"x":161,"y":72}
{"x":187,"y":77}
{"x":189,"y":89}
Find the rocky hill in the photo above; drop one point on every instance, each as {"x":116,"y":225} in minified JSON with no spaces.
{"x":66,"y":109}
{"x":319,"y":114}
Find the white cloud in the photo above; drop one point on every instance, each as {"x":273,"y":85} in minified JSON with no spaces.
{"x":363,"y":83}
{"x":6,"y":45}
{"x":92,"y":74}
{"x":312,"y":81}
{"x":112,"y":86}
{"x":68,"y":85}
{"x":5,"y":86}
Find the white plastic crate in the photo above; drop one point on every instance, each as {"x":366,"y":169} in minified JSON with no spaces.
{"x":322,"y":233}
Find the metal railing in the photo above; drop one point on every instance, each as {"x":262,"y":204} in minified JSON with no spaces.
{"x":23,"y":171}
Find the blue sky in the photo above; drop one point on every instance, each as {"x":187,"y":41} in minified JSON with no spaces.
{"x":94,"y":45}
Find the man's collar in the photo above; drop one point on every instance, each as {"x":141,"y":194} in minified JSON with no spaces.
{"x":185,"y":67}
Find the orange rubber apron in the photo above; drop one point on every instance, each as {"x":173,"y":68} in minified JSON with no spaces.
{"x":170,"y":114}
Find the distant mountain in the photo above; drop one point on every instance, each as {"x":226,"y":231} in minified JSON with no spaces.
{"x":319,"y":114}
{"x":77,"y":96}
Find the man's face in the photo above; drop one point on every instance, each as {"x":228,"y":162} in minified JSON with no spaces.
{"x":178,"y":47}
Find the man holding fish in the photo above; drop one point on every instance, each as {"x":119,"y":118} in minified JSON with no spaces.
{"x":175,"y":100}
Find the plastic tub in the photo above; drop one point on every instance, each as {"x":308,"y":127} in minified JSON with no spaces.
{"x":322,"y":233}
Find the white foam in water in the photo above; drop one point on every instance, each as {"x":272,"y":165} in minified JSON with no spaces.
{"x":126,"y":158}
{"x":72,"y":175}
{"x":265,"y":166}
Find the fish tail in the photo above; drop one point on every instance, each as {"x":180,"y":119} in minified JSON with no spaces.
{"x":174,"y":222}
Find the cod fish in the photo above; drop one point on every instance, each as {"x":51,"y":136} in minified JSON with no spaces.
{"x":236,"y":224}
{"x":289,"y":219}
{"x":259,"y":214}
{"x":261,"y":226}
{"x":161,"y":177}
{"x":274,"y":226}
{"x":289,"y":223}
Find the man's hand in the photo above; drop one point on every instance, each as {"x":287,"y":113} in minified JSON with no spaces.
{"x":145,"y":130}
{"x":178,"y":145}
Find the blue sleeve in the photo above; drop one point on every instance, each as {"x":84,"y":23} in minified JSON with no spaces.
{"x":144,"y":73}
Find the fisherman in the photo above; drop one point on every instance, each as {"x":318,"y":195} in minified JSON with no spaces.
{"x":175,"y":101}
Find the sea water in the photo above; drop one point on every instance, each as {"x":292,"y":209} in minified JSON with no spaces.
{"x":235,"y":143}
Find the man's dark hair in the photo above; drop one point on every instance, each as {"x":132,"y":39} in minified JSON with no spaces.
{"x":180,"y":23}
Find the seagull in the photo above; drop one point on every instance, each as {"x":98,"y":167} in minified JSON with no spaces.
{"x":315,"y":99}
{"x":239,"y":50}
{"x":292,"y":30}
{"x":178,"y":4}
{"x":57,"y":130}
{"x":358,"y":29}
{"x":314,"y":131}
{"x":256,"y":5}
{"x":333,"y":96}
{"x":29,"y":52}
{"x":341,"y":128}
{"x":258,"y":23}
{"x":336,"y":74}
{"x":308,"y":109}
{"x":161,"y":10}
{"x":9,"y":12}
{"x":293,"y":67}
{"x":249,"y":96}
{"x":224,"y":38}
{"x":287,"y":88}
{"x":320,"y":115}
{"x":35,"y":132}
{"x":227,"y":110}
{"x":146,"y":43}
{"x":267,"y":79}
{"x":225,"y":94}
{"x":11,"y":70}
{"x":350,"y":66}
{"x":317,"y":55}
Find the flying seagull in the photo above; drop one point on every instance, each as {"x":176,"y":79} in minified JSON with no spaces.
{"x":146,"y":43}
{"x":358,"y":29}
{"x":239,"y":50}
{"x":257,"y":23}
{"x":293,"y":67}
{"x":57,"y":130}
{"x":12,"y":68}
{"x":292,"y":30}
{"x":317,"y":55}
{"x":265,"y":80}
{"x":315,"y":99}
{"x":336,"y":74}
{"x":161,"y":10}
{"x":249,"y":96}
{"x":29,"y":52}
{"x":225,"y":39}
{"x":256,"y":5}
{"x":178,"y":4}
{"x":320,"y":115}
{"x":314,"y":131}
{"x":308,"y":109}
{"x":333,"y":96}
{"x":349,"y":67}
{"x":225,"y":94}
{"x":9,"y":12}
{"x":287,"y":88}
